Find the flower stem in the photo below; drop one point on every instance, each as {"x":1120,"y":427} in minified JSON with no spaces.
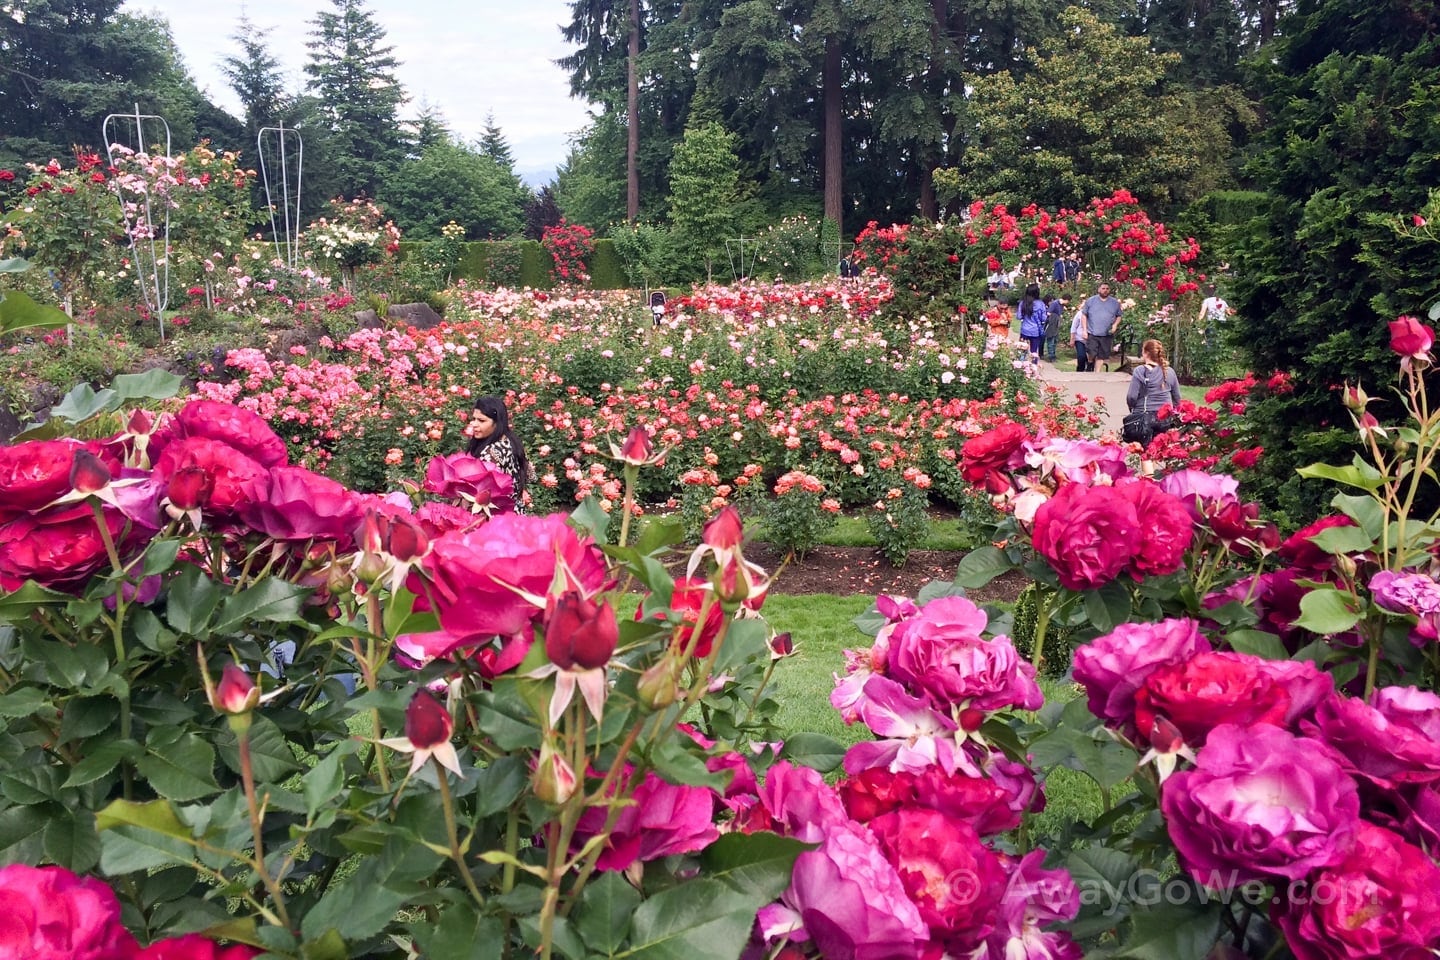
{"x":447,"y":804}
{"x":240,"y":724}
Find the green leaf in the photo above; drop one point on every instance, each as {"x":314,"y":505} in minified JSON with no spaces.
{"x":19,"y":824}
{"x":183,"y":769}
{"x":603,"y":920}
{"x":1108,"y":606}
{"x":71,"y":841}
{"x":141,"y":836}
{"x":82,"y":403}
{"x":745,"y":640}
{"x":936,"y":589}
{"x":589,"y":519}
{"x":1359,"y":474}
{"x":702,"y":918}
{"x":19,"y":604}
{"x":86,"y":716}
{"x":19,"y":312}
{"x":1338,"y":540}
{"x":160,"y":556}
{"x":152,"y":634}
{"x":271,"y":600}
{"x":325,"y":780}
{"x":1327,"y":611}
{"x":74,"y":667}
{"x":677,"y":765}
{"x":870,"y":622}
{"x":1366,"y":511}
{"x":22,"y":702}
{"x":814,"y":750}
{"x":193,"y":598}
{"x":462,"y":934}
{"x":982,"y":565}
{"x":1103,"y":877}
{"x":14,"y":265}
{"x":331,"y":946}
{"x":500,"y":784}
{"x":271,"y":758}
{"x":1174,"y":931}
{"x":356,"y":908}
{"x":100,"y":760}
{"x":1257,"y":643}
{"x":153,"y":384}
{"x":754,"y":863}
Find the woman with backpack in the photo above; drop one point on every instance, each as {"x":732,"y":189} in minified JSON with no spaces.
{"x":1154,"y":386}
{"x":1033,"y":316}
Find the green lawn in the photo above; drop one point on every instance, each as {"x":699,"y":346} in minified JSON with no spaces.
{"x":943,"y":533}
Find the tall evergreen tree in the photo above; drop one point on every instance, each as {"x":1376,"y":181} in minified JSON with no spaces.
{"x":352,"y":73}
{"x":254,"y":74}
{"x":1351,"y":146}
{"x":430,"y":128}
{"x":494,"y":145}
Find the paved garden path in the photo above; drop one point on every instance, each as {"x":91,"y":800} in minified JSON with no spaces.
{"x":1109,"y":386}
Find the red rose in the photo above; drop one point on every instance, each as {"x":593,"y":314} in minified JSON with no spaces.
{"x":301,"y":505}
{"x":1410,"y":338}
{"x":1165,"y":532}
{"x":1087,"y":534}
{"x":984,"y":458}
{"x":1302,"y":553}
{"x":33,"y":474}
{"x":1210,"y":689}
{"x":579,"y":632}
{"x":60,"y":548}
{"x":235,"y":478}
{"x":192,"y":946}
{"x":876,"y":791}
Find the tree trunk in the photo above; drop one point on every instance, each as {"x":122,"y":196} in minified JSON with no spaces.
{"x":632,"y":118}
{"x":834,"y":146}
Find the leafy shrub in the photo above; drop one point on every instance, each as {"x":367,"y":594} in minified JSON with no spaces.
{"x":898,"y":522}
{"x":799,"y":515}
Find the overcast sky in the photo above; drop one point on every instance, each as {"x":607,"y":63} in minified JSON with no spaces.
{"x":466,"y":58}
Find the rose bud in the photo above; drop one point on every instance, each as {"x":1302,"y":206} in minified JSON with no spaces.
{"x":638,"y":447}
{"x":236,"y":692}
{"x":553,"y":780}
{"x":190,"y":488}
{"x":141,"y":422}
{"x":972,"y":719}
{"x":1165,"y":736}
{"x":781,"y":645}
{"x":88,"y":473}
{"x":657,"y":687}
{"x":579,"y":633}
{"x":406,"y":541}
{"x":725,"y":531}
{"x":427,"y":722}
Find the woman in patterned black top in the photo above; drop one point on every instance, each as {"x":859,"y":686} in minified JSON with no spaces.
{"x":492,"y":439}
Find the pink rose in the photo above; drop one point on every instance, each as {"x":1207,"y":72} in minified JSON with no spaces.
{"x":51,"y":914}
{"x":437,"y":518}
{"x":194,"y":947}
{"x":1259,"y":804}
{"x":1382,"y":753}
{"x":298,"y":504}
{"x":1087,"y":534}
{"x":1410,"y":705}
{"x":942,"y":654}
{"x":1410,"y":338}
{"x":231,"y":425}
{"x":1035,"y":900}
{"x":473,"y":576}
{"x":461,"y":476}
{"x":797,"y":802}
{"x":1112,"y":667}
{"x":1166,"y":529}
{"x":665,"y":819}
{"x":1199,"y":490}
{"x":983,"y":803}
{"x":953,"y":878}
{"x":1382,"y":899}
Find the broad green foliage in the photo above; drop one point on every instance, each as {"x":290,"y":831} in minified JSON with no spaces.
{"x":452,"y":182}
{"x":704,"y":188}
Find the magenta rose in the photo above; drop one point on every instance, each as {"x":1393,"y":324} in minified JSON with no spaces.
{"x":235,"y":479}
{"x":953,"y":878}
{"x":473,"y":576}
{"x":1406,"y":593}
{"x":942,"y":654}
{"x":1410,"y":338}
{"x":1209,"y":689}
{"x":298,"y":504}
{"x":437,"y":518}
{"x":1166,"y":529}
{"x":1382,"y":753}
{"x":1112,"y":667}
{"x":848,"y":901}
{"x":461,"y":476}
{"x":195,"y":947}
{"x":61,"y":548}
{"x":1087,"y":534}
{"x":51,"y":914}
{"x":1412,"y":706}
{"x":799,"y":803}
{"x":1034,"y":900}
{"x":1259,"y":804}
{"x":233,"y":426}
{"x":665,"y":819}
{"x":1199,"y":490}
{"x":1381,"y":900}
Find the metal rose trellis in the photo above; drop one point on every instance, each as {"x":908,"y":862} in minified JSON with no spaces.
{"x":152,"y":260}
{"x":289,"y":248}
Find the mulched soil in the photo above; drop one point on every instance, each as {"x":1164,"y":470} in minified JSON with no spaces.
{"x":848,"y":570}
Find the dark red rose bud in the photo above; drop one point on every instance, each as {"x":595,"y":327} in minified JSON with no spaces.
{"x":725,"y":531}
{"x":88,"y":473}
{"x":1165,"y":737}
{"x":782,"y":645}
{"x":406,"y":540}
{"x":190,"y":488}
{"x":427,"y":722}
{"x":972,"y":719}
{"x":579,"y":633}
{"x":141,"y":422}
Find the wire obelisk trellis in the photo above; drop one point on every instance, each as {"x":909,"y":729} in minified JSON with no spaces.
{"x":152,"y":260}
{"x":287,"y":235}
{"x":735,"y":249}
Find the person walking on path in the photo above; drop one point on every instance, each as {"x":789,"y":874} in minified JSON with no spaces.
{"x":1033,"y":316}
{"x":1054,"y":316}
{"x":1102,"y":314}
{"x":1077,"y":342}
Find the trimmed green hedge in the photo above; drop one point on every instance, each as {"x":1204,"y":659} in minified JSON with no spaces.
{"x":607,"y":270}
